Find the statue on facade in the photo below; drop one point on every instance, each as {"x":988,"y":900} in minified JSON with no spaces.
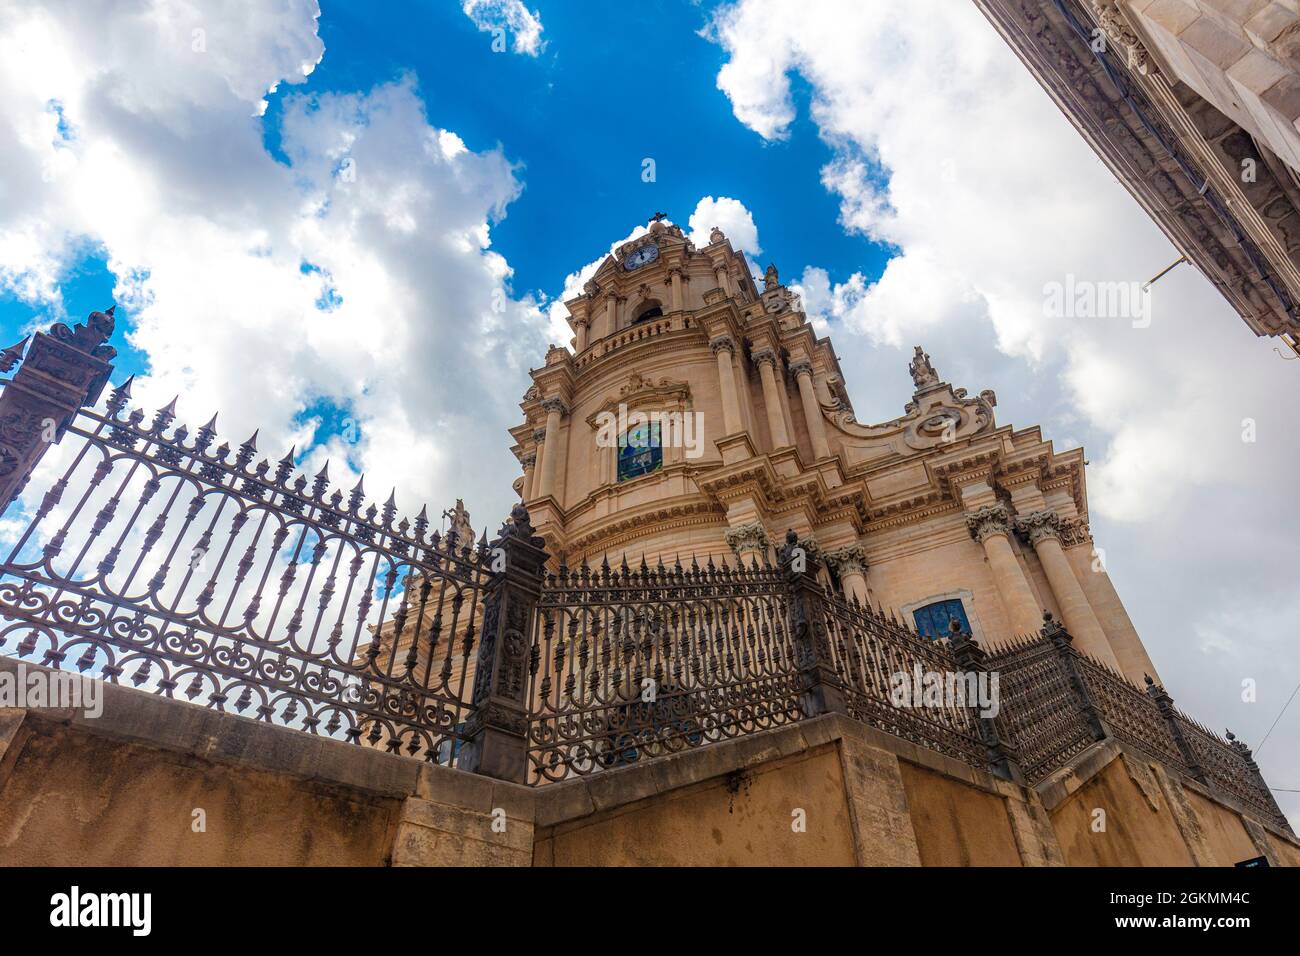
{"x":923,"y":373}
{"x":460,"y":525}
{"x":770,"y":278}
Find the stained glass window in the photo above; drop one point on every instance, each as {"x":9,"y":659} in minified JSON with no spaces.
{"x":933,"y":620}
{"x":639,"y":451}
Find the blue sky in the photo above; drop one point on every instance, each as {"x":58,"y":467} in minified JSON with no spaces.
{"x":579,"y":119}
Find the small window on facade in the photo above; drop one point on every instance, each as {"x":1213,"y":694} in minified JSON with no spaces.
{"x":653,"y":312}
{"x":640,"y":451}
{"x":934,"y":620}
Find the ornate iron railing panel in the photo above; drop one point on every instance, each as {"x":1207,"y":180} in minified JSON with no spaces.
{"x":1131,"y":715}
{"x":1041,"y":715}
{"x":195,"y":571}
{"x":1222,"y":764}
{"x":872,"y":654}
{"x":631,"y":664}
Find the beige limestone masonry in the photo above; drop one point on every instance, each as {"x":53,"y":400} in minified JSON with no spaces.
{"x":676,"y":330}
{"x":121,"y":790}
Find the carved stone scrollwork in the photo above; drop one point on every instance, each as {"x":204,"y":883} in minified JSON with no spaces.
{"x":988,"y":520}
{"x":1038,"y":525}
{"x":555,"y":405}
{"x":747,"y":539}
{"x":1119,"y":32}
{"x":539,"y":435}
{"x":764,"y":357}
{"x":800,"y":368}
{"x":722,"y":343}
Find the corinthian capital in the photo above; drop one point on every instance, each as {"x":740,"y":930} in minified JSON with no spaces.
{"x":747,"y":539}
{"x":800,"y":368}
{"x":848,"y":560}
{"x":764,"y":357}
{"x":988,"y":520}
{"x":721,"y":343}
{"x":1038,"y":525}
{"x":555,"y":405}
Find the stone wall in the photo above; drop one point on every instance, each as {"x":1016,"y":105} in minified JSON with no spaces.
{"x":123,"y":789}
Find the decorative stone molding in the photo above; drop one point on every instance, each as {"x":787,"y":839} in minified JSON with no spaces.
{"x":721,"y":343}
{"x":529,"y":461}
{"x":555,"y":405}
{"x":539,"y":435}
{"x":747,"y":538}
{"x":801,"y":367}
{"x":1075,"y":532}
{"x":988,"y":520}
{"x":847,"y":560}
{"x":764,"y":357}
{"x":1038,"y":525}
{"x":1118,"y":31}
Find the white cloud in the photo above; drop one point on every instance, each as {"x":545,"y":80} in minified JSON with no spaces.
{"x":944,"y":146}
{"x":221,"y":253}
{"x":510,"y":16}
{"x":729,"y":215}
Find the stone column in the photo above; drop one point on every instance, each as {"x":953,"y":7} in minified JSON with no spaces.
{"x":812,"y":412}
{"x":850,"y":563}
{"x":581,"y":333}
{"x":611,"y":314}
{"x":990,"y":525}
{"x":675,"y":275}
{"x":765,"y":359}
{"x":554,"y":409}
{"x":1042,"y":528}
{"x":530,"y":468}
{"x":724,"y":348}
{"x":724,"y":279}
{"x":535,"y":486}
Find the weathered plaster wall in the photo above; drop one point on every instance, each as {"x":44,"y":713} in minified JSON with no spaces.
{"x":958,"y":825}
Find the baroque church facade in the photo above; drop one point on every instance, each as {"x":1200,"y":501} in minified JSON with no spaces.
{"x":696,"y":416}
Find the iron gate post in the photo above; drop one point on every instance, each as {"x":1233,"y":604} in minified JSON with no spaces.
{"x":1063,"y":642}
{"x":821,"y":689}
{"x":64,"y":370}
{"x":496,"y":743}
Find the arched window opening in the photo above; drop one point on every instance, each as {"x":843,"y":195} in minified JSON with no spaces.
{"x":651,"y":310}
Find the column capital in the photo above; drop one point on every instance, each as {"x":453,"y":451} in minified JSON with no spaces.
{"x":764,"y":357}
{"x":529,"y":461}
{"x":722,"y":342}
{"x":987,"y":521}
{"x":847,"y":560}
{"x":554,"y":405}
{"x":801,"y":367}
{"x":747,"y":538}
{"x":539,"y":435}
{"x":1039,"y":525}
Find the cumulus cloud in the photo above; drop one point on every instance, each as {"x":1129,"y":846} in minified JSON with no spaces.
{"x":354,"y":283}
{"x":943,"y":146}
{"x":729,"y":215}
{"x":510,"y":16}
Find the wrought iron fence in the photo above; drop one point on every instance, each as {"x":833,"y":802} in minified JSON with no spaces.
{"x":875,"y":657}
{"x":628,"y":664}
{"x":200,"y":571}
{"x":1046,"y":724}
{"x":204,"y":572}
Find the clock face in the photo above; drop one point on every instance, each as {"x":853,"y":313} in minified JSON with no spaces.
{"x":640,"y":257}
